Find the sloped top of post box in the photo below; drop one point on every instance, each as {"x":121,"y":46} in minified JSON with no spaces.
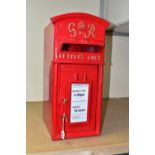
{"x":79,"y":38}
{"x":79,"y":27}
{"x":80,"y":15}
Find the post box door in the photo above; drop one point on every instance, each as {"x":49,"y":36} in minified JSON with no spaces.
{"x":77,"y":98}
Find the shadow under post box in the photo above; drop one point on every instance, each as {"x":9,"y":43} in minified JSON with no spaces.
{"x":106,"y":75}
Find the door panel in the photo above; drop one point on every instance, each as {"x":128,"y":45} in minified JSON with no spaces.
{"x":78,"y":96}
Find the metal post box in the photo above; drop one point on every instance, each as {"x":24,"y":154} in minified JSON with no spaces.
{"x":73,"y":75}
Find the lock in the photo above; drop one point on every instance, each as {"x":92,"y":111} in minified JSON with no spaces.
{"x":65,"y":100}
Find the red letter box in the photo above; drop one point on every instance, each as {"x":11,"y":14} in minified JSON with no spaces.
{"x":73,"y":75}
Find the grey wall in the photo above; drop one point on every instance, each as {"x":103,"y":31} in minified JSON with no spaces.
{"x":38,"y":15}
{"x":116,"y":69}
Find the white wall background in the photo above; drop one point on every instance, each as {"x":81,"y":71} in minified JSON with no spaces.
{"x":116,"y":11}
{"x":119,"y":75}
{"x":38,"y":14}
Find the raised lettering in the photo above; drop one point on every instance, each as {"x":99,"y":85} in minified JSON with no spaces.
{"x":91,"y":31}
{"x":71,"y":29}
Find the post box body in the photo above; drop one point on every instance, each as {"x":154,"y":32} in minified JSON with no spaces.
{"x":73,"y":75}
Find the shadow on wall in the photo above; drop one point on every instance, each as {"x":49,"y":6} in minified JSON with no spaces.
{"x":107,"y":65}
{"x":106,"y":75}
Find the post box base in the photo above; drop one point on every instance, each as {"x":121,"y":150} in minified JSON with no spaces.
{"x":84,"y":134}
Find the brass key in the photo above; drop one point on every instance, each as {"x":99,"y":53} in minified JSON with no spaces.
{"x":63,"y":124}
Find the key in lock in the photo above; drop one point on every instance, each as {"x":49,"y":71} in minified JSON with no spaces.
{"x":63,"y":126}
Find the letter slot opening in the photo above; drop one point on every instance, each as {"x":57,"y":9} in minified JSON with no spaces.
{"x":66,"y":47}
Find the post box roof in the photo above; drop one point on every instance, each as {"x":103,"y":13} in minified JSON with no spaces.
{"x":78,"y":15}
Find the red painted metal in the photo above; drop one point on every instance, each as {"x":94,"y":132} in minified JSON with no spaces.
{"x":73,"y":56}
